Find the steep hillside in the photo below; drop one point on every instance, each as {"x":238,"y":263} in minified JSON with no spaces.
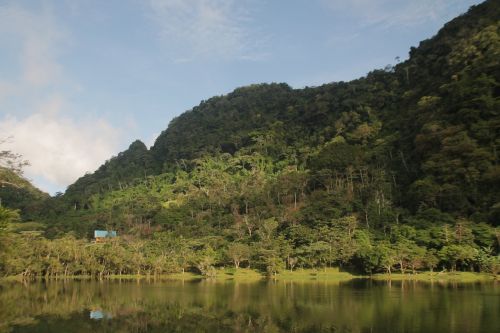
{"x":135,"y":162}
{"x":448,"y":116}
{"x":17,"y":192}
{"x":398,"y":169}
{"x":431,"y":123}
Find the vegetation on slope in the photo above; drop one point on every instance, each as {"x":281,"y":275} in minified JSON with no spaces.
{"x":396,"y":170}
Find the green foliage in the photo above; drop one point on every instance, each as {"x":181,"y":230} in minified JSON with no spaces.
{"x":117,"y":173}
{"x":8,"y":216}
{"x":395,"y":170}
{"x":16,"y":192}
{"x":238,"y":252}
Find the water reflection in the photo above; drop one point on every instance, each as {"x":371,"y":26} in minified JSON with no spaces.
{"x":205,"y":306}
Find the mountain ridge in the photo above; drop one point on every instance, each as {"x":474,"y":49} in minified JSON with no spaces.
{"x":406,"y":111}
{"x":395,"y":170}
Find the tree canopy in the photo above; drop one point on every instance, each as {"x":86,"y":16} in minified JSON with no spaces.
{"x":397,"y":170}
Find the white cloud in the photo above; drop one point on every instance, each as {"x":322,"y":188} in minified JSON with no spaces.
{"x":59,"y":149}
{"x":207,"y":28}
{"x":37,"y":114}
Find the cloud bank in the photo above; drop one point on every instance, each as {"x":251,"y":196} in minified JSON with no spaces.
{"x":59,"y":149}
{"x":34,"y":97}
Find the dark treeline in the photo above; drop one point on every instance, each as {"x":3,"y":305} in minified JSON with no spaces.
{"x":396,"y":170}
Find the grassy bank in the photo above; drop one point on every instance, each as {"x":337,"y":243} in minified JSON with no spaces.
{"x":176,"y":276}
{"x":438,"y":276}
{"x":250,"y":275}
{"x":240,"y":275}
{"x":299,"y":275}
{"x":329,"y":274}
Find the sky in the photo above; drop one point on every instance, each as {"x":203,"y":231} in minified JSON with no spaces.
{"x":81,"y":79}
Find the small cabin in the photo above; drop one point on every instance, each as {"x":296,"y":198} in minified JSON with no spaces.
{"x":102,"y":235}
{"x":98,"y":314}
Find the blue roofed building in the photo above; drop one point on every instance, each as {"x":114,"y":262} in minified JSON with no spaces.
{"x":102,"y":235}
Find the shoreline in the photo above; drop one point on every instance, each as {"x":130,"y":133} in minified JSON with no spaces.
{"x":461,"y":277}
{"x":299,"y":275}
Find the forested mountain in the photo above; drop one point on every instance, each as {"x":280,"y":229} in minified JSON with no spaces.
{"x":399,"y":167}
{"x":430,"y":122}
{"x":134,"y":163}
{"x":17,"y":192}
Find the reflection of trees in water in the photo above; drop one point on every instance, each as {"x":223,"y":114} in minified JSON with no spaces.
{"x":257,"y":307}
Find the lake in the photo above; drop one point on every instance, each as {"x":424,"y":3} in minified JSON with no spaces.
{"x":266,"y":306}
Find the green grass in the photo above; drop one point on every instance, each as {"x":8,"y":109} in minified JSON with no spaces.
{"x":240,"y":274}
{"x":438,"y":276}
{"x":329,"y":274}
{"x":10,"y":278}
{"x":250,"y":275}
{"x":173,"y":276}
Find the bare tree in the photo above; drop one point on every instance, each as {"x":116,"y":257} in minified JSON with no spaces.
{"x":11,"y":161}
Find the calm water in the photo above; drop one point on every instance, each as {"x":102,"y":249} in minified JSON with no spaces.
{"x":204,"y":306}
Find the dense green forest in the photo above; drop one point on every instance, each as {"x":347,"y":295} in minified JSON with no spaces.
{"x":395,"y":170}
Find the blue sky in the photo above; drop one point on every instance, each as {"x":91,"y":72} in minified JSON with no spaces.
{"x":80,"y":80}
